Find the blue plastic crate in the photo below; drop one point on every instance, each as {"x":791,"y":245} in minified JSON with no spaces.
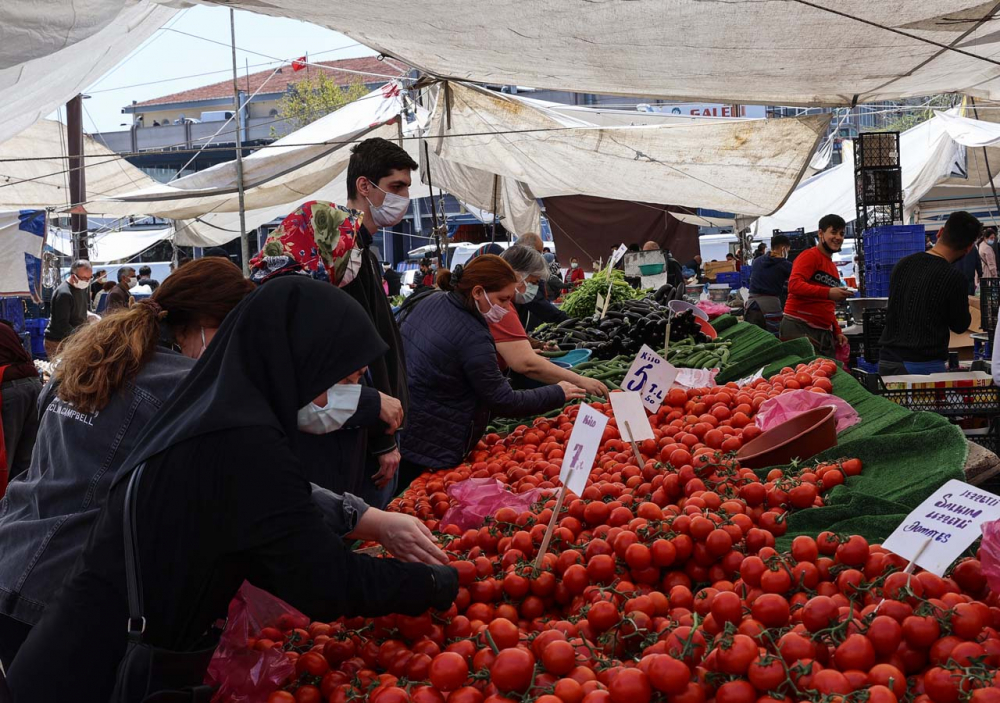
{"x":36,"y":328}
{"x":867,"y":366}
{"x":730,"y":277}
{"x":12,"y":310}
{"x":884,"y":246}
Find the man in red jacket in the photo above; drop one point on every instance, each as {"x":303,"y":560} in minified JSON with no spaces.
{"x":814,"y":290}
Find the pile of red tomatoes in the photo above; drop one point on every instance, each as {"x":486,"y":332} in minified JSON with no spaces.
{"x":661,"y":583}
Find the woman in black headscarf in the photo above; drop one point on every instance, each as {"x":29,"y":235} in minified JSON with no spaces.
{"x":222,"y":499}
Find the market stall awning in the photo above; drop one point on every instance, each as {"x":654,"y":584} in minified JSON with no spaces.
{"x":739,"y":51}
{"x":27,"y":181}
{"x":747,"y":166}
{"x":52,"y":50}
{"x":111,"y":245}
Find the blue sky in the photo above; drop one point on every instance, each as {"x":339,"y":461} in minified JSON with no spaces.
{"x":175,"y":59}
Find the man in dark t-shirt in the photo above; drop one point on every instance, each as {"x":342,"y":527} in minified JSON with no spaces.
{"x":928,"y":298}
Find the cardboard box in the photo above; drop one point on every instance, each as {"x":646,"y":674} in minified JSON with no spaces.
{"x":712,"y":268}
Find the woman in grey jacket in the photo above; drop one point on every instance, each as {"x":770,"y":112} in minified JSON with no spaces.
{"x":113,"y":378}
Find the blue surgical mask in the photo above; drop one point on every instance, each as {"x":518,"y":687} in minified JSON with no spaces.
{"x":530,"y":291}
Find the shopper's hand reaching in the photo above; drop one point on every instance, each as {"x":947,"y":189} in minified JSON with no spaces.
{"x":388,"y":463}
{"x":571,"y":391}
{"x":842,"y":340}
{"x":391,"y":413}
{"x":593,"y":386}
{"x":839,"y":294}
{"x":408,"y":539}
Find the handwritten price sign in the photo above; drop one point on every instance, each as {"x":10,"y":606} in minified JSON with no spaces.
{"x":584,"y":441}
{"x":949,"y":521}
{"x":651,"y":376}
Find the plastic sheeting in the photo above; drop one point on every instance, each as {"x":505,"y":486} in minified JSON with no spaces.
{"x":113,"y":245}
{"x":968,"y":132}
{"x":747,"y":166}
{"x":927,"y":155}
{"x":738,"y":51}
{"x":291,"y":168}
{"x":41,"y":183}
{"x":52,"y":50}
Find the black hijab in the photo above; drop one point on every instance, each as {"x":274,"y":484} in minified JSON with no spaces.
{"x":281,"y":347}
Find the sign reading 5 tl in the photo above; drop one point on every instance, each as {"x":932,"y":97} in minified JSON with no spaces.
{"x":651,"y":376}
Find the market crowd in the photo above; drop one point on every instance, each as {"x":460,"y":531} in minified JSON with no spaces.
{"x":212,"y":429}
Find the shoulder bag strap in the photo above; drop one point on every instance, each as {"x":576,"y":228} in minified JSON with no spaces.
{"x":133,"y":575}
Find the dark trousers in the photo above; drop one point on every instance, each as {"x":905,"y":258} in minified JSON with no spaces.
{"x":13,"y":633}
{"x":19,"y":416}
{"x":822,"y":340}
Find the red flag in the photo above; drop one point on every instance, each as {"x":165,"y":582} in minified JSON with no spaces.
{"x":299,"y":63}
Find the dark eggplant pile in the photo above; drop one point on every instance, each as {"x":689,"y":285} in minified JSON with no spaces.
{"x":628,"y":325}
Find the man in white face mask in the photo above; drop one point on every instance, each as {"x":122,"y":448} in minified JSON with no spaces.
{"x":68,"y":309}
{"x":121,"y":295}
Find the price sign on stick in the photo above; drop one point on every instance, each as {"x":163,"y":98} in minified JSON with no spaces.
{"x":633,"y":423}
{"x":602,"y":305}
{"x":581,"y":450}
{"x":616,"y":257}
{"x":951,"y":519}
{"x":651,"y":376}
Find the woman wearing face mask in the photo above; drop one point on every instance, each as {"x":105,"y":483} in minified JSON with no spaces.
{"x":574,"y":274}
{"x":113,"y":379}
{"x":513,"y":346}
{"x":987,"y":253}
{"x":218,"y":498}
{"x":454,"y":381}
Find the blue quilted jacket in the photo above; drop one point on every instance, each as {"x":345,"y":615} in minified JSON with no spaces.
{"x":455,"y":383}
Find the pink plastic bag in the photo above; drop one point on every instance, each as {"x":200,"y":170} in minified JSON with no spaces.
{"x":843,"y":353}
{"x":478,"y":498}
{"x":990,"y":554}
{"x":788,"y":405}
{"x":712,"y":308}
{"x":243,"y":674}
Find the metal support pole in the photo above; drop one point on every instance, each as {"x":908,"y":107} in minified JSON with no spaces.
{"x":244,"y":236}
{"x":493,"y":235}
{"x":77,"y":176}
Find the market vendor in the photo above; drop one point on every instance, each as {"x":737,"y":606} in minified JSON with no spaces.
{"x":454,"y":381}
{"x":514,"y":349}
{"x":69,"y":306}
{"x":927,"y":300}
{"x":769,"y":286}
{"x":814,"y":291}
{"x":574,"y":274}
{"x":220,"y":498}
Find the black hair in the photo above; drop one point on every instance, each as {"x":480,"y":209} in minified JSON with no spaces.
{"x":216,"y":251}
{"x":828,"y":221}
{"x":961,"y":230}
{"x":145,"y":271}
{"x":375,"y":159}
{"x":780,"y":240}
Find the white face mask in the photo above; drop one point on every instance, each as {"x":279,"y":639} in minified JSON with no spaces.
{"x":132,"y":282}
{"x":80,"y":284}
{"x":530,"y":291}
{"x":341,"y":403}
{"x":391,"y":211}
{"x":574,"y":265}
{"x":495,"y":313}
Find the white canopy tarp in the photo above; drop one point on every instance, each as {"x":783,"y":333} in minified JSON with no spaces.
{"x":292,"y":167}
{"x":112,"y":245}
{"x":969,"y":132}
{"x":52,"y":50}
{"x":739,"y":51}
{"x":927,"y":155}
{"x":745,"y":166}
{"x":31,"y":182}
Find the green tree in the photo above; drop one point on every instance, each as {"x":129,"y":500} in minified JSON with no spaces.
{"x":317,"y":96}
{"x":908,"y":119}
